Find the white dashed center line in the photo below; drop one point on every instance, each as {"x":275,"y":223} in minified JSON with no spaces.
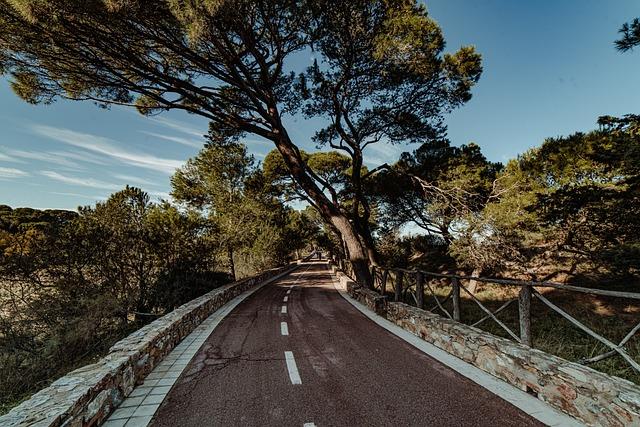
{"x":285,"y":299}
{"x":284,"y":328}
{"x":284,"y":309}
{"x":308,"y":425}
{"x":294,"y":376}
{"x":289,"y":291}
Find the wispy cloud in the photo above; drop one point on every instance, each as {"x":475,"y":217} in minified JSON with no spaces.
{"x":179,"y":126}
{"x":81,"y":157}
{"x":177,"y":139}
{"x":160,"y":194}
{"x":42,"y":156}
{"x":379,"y":153}
{"x":107,"y":147}
{"x":84,"y":196}
{"x":82,"y":182}
{"x":5,"y":158}
{"x":130,"y":179}
{"x":10,"y":173}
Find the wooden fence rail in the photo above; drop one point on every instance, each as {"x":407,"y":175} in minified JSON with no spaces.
{"x":406,"y":282}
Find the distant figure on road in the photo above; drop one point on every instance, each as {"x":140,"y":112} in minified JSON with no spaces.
{"x":319,"y":255}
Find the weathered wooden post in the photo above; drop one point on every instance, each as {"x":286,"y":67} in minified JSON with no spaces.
{"x":398,"y":294}
{"x":455,"y":297}
{"x":524,"y":309}
{"x":383,"y":285}
{"x":373,"y":277}
{"x":419,"y":289}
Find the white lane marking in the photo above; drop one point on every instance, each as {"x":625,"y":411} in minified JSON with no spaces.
{"x":284,"y":309}
{"x":289,"y":291}
{"x":201,"y":332}
{"x":294,"y":376}
{"x":308,"y":425}
{"x":300,"y":276}
{"x":284,"y":328}
{"x":285,"y":299}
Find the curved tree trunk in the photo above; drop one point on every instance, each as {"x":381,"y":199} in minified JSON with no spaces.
{"x":230,"y":264}
{"x":329,"y":211}
{"x":367,"y":241}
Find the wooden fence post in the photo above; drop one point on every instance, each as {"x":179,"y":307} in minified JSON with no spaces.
{"x":419,"y":289}
{"x":383,"y":285}
{"x":398,"y":294}
{"x":524,"y":309}
{"x":455,"y":297}
{"x":373,"y":277}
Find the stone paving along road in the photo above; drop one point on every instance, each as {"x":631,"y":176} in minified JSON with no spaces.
{"x":295,"y":353}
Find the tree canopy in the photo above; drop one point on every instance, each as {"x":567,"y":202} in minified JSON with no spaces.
{"x":380,"y":72}
{"x":629,"y":35}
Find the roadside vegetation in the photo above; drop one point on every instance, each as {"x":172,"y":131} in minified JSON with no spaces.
{"x":75,"y":282}
{"x":566,"y":211}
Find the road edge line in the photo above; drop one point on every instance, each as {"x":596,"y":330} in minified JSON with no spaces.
{"x":528,"y":404}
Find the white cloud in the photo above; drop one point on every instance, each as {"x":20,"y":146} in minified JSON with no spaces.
{"x":106,"y":147}
{"x":81,"y":157}
{"x":130,"y":179}
{"x":59,"y":160}
{"x":381,"y":152}
{"x":179,"y":126}
{"x":83,"y":182}
{"x":5,"y":158}
{"x":84,"y":196}
{"x":12,"y":173}
{"x":177,"y":139}
{"x":160,"y":194}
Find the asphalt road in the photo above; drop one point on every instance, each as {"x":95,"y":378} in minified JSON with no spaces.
{"x":350,"y":371}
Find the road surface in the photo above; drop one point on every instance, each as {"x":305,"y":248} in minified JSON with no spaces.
{"x":295,"y":353}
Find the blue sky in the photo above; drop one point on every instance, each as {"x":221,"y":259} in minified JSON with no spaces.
{"x":549,"y":69}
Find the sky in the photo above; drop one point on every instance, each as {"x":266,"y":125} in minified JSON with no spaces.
{"x":550,"y":69}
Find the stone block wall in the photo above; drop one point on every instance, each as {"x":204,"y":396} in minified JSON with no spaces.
{"x":590,"y":396}
{"x":371,"y":299}
{"x":86,"y":396}
{"x":584,"y":393}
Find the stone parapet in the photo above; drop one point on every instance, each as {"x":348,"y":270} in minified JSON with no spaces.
{"x":584,"y":393}
{"x":590,"y":396}
{"x":371,"y":299}
{"x":86,"y":396}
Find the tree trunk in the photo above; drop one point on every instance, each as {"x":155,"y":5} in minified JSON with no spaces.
{"x":329,"y":211}
{"x":367,"y":241}
{"x":355,"y":251}
{"x":230,"y":264}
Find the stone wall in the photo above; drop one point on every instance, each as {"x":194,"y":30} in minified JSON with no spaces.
{"x":371,"y":299}
{"x":584,"y":393}
{"x":86,"y":396}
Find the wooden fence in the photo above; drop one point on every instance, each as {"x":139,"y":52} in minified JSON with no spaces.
{"x":400,"y":284}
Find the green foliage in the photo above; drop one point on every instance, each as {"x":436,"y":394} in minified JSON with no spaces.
{"x":630,"y":35}
{"x":437,"y":188}
{"x":570,"y":203}
{"x":238,"y":199}
{"x":72,"y":284}
{"x":380,"y":75}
